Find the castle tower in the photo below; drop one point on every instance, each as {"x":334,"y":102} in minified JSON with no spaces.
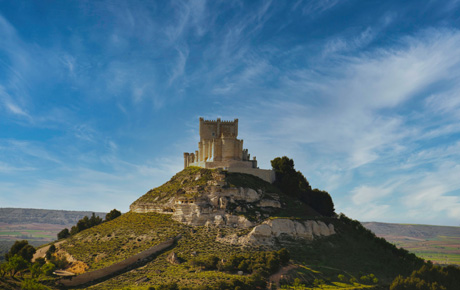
{"x":220,"y":148}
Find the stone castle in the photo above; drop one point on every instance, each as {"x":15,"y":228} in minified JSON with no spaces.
{"x":220,"y":148}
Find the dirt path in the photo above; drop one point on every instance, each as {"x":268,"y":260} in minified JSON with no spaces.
{"x":275,"y":278}
{"x":40,"y":253}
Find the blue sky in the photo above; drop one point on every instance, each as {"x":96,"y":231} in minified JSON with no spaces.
{"x":99,"y":100}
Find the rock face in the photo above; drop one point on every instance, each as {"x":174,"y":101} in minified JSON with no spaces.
{"x":215,"y":204}
{"x":268,"y":231}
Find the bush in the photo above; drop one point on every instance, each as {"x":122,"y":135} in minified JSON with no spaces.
{"x":48,"y":269}
{"x":31,"y":284}
{"x":113,"y":214}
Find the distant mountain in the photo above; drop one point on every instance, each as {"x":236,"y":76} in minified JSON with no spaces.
{"x":43,"y":216}
{"x":412,"y":231}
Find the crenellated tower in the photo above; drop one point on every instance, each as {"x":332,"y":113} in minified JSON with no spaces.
{"x":219,"y":147}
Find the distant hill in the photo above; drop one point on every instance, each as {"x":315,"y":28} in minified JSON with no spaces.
{"x":440,"y":244}
{"x":410,"y":230}
{"x":38,"y":226}
{"x":43,"y":216}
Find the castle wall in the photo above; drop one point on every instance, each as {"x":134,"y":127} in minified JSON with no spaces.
{"x":265,"y":174}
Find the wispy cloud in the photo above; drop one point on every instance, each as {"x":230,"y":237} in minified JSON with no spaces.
{"x":315,"y":7}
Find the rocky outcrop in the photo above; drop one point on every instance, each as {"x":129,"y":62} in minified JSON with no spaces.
{"x":268,"y":231}
{"x":173,"y":258}
{"x":215,"y":204}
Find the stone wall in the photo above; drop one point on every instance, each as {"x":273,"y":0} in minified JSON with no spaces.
{"x":115,"y":268}
{"x":265,"y":174}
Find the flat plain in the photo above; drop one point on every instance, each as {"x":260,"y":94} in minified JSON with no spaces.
{"x":439,"y":244}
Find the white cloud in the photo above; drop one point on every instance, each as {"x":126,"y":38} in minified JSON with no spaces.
{"x":364,"y":194}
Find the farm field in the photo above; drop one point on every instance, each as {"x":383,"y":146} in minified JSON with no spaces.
{"x":34,"y":231}
{"x":439,"y":244}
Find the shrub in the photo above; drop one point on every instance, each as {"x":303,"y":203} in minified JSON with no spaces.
{"x":48,"y":269}
{"x":31,"y":284}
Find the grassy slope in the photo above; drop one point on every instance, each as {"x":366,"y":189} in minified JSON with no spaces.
{"x":189,"y":177}
{"x":351,"y":252}
{"x":121,"y":238}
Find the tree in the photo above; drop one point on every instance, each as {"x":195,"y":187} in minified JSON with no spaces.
{"x":21,"y":248}
{"x":63,"y":234}
{"x":113,"y":214}
{"x":16,"y":263}
{"x":322,"y":202}
{"x":294,"y":183}
{"x":94,"y":221}
{"x":85,"y":223}
{"x":50,"y":252}
{"x":35,"y":270}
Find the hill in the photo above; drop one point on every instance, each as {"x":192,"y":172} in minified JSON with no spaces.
{"x":42,"y":216}
{"x":440,"y":244}
{"x":231,"y":230}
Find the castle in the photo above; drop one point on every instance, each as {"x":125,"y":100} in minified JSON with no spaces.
{"x":220,"y":148}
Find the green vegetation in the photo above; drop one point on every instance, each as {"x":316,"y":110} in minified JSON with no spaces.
{"x":294,"y":183}
{"x":429,"y":277}
{"x":113,"y":214}
{"x":189,"y":177}
{"x":118,"y":239}
{"x":21,"y":249}
{"x":86,"y":223}
{"x":19,"y":262}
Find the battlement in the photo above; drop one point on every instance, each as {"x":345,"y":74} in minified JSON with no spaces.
{"x":217,"y":121}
